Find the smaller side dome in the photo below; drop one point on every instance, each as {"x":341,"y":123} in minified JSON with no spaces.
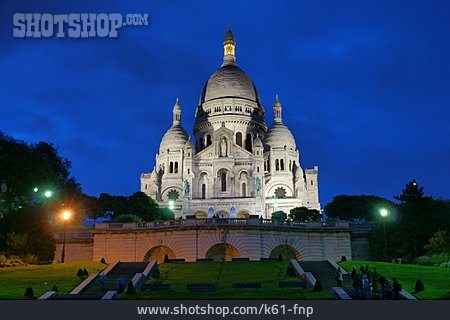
{"x":278,"y":135}
{"x":176,"y":137}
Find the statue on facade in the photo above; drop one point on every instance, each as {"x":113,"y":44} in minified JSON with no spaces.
{"x":186,"y":188}
{"x":223,"y":148}
{"x":258,"y":185}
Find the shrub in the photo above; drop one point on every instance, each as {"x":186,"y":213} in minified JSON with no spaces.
{"x":280,"y":257}
{"x":30,"y":258}
{"x":419,"y":286}
{"x":166,"y":258}
{"x":424,"y":261}
{"x":120,"y":288}
{"x":440,"y":258}
{"x":156,"y":274}
{"x":29,"y":293}
{"x":85,"y":273}
{"x":318,"y":286}
{"x":102,"y":260}
{"x":130,"y":288}
{"x":343,"y":258}
{"x":80,"y":273}
{"x":3,"y":261}
{"x":55,"y":288}
{"x":290,"y":271}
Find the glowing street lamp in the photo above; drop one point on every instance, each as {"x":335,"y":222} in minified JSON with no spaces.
{"x":36,"y":189}
{"x":384,"y":213}
{"x":65,"y":216}
{"x":48,"y":193}
{"x":171,"y":205}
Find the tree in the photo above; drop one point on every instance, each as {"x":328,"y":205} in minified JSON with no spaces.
{"x":24,"y":167}
{"x":357,"y":207}
{"x":16,"y":243}
{"x":166,"y":214}
{"x":279,"y":216}
{"x":439,"y":243}
{"x":410,"y":227}
{"x":412,"y":193}
{"x":303,"y":214}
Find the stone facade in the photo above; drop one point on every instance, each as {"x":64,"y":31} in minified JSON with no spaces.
{"x":223,"y":239}
{"x":237,"y":166}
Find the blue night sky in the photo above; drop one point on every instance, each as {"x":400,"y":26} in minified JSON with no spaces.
{"x":365,"y":86}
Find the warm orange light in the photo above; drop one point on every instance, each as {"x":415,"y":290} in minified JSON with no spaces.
{"x":66,"y":215}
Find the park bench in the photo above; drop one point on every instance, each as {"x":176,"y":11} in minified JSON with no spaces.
{"x":177,"y":260}
{"x":268,"y":259}
{"x":247,"y":285}
{"x":155,"y":286}
{"x":240,"y":259}
{"x":201,"y":287}
{"x":292,"y":284}
{"x":204,"y":260}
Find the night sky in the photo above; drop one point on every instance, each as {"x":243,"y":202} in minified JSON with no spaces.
{"x":365,"y":86}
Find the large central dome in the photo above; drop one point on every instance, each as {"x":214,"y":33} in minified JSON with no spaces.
{"x":229,"y":81}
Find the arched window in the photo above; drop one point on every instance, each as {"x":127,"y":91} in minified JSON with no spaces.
{"x":277,"y":165}
{"x":176,"y":167}
{"x":282,"y":164}
{"x":290,"y":165}
{"x":208,"y":140}
{"x":244,"y":189}
{"x":171,"y":167}
{"x":223,"y":181}
{"x":265,"y":166}
{"x":312,"y":183}
{"x":239,"y":139}
{"x":248,"y":142}
{"x":203,"y":191}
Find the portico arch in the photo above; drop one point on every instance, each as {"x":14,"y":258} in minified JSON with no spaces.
{"x":222,"y":252}
{"x":158,"y":253}
{"x":201,"y":214}
{"x":242,"y":214}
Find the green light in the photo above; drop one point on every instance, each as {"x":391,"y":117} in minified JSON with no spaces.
{"x":383,"y":212}
{"x":171,"y":205}
{"x":35,"y":189}
{"x":48,"y":194}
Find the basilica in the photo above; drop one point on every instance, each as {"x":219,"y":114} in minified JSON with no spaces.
{"x":233,"y":165}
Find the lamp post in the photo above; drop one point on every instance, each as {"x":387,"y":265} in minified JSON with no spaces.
{"x":384,"y":213}
{"x":65,"y":216}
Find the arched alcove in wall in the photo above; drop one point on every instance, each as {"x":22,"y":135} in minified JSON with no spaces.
{"x":222,"y":252}
{"x":158,"y":253}
{"x":286,"y":252}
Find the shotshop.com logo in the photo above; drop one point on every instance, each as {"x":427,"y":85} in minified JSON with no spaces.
{"x":74,"y":25}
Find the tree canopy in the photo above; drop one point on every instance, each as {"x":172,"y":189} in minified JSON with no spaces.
{"x":303,"y":214}
{"x":350,"y":207}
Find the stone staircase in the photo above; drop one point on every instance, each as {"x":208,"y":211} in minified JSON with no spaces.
{"x":326,"y":273}
{"x":96,"y":290}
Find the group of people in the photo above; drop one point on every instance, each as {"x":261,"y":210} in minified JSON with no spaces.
{"x":368,"y":284}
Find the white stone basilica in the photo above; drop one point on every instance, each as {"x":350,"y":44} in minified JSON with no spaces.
{"x":237,"y":167}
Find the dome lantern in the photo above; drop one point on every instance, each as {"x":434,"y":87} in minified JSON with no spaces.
{"x":229,"y":45}
{"x":176,"y":113}
{"x":277,"y":110}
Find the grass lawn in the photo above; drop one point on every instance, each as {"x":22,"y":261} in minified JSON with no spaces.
{"x":223,"y":274}
{"x":14,"y":281}
{"x":436,"y":280}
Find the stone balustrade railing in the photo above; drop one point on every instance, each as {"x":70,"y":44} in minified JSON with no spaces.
{"x":156,"y":225}
{"x":216,"y":222}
